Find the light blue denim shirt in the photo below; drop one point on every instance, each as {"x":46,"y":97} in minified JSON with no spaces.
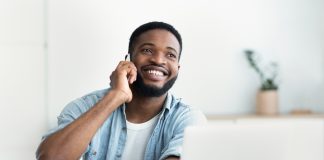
{"x":109,"y":141}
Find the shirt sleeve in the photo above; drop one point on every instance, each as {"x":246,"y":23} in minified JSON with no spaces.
{"x":193,"y":117}
{"x":70,"y":113}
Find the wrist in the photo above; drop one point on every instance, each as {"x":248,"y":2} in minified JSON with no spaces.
{"x":120,"y":95}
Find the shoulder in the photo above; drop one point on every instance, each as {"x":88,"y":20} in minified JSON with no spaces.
{"x":184,"y":112}
{"x":84,"y":103}
{"x":94,"y":96}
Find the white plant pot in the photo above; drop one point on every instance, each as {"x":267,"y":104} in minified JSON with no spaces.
{"x":267,"y":102}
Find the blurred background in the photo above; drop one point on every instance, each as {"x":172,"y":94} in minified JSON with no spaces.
{"x":54,"y":51}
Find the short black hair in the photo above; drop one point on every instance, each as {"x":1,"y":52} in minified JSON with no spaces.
{"x":150,"y":26}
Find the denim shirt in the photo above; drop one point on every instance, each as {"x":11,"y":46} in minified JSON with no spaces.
{"x":109,"y":140}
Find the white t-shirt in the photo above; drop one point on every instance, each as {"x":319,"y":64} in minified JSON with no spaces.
{"x":137,"y":138}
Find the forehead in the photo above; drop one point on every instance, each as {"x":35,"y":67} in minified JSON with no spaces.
{"x":158,"y":37}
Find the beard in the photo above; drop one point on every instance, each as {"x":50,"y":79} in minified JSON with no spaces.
{"x":151,"y":91}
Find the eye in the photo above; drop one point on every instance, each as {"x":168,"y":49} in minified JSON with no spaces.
{"x":146,"y":51}
{"x":172,"y":55}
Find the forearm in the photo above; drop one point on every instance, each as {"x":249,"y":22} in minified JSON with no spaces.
{"x":72,"y":141}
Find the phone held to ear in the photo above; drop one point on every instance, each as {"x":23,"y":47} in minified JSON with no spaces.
{"x":127,"y":57}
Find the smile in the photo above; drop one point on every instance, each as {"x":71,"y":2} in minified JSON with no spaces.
{"x":155,"y":72}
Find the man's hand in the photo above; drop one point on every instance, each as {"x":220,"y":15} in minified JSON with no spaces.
{"x":124,"y":74}
{"x":71,"y":141}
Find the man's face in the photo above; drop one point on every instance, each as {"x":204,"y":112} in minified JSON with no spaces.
{"x":156,"y":57}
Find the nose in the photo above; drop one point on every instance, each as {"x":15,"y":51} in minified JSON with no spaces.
{"x":158,"y":58}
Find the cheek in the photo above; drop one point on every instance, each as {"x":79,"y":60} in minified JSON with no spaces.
{"x":175,"y":69}
{"x":137,"y":62}
{"x":139,"y":59}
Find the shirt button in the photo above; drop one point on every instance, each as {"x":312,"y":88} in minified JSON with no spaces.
{"x":94,"y":153}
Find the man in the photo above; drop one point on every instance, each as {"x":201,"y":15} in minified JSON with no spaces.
{"x":134,"y":119}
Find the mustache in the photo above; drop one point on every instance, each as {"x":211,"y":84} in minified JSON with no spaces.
{"x":154,"y":65}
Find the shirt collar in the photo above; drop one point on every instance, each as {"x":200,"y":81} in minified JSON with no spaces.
{"x":167,"y":105}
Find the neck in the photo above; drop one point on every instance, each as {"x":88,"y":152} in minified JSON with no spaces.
{"x":142,"y":109}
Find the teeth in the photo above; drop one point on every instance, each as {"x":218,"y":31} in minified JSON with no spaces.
{"x":155,"y":72}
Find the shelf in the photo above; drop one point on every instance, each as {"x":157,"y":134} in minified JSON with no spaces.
{"x":254,"y":116}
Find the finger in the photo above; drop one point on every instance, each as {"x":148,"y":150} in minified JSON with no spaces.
{"x":128,"y":66}
{"x":131,"y":73}
{"x":128,"y":69}
{"x":121,"y":70}
{"x":132,"y":76}
{"x":124,"y":63}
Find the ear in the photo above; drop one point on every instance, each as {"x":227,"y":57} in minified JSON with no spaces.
{"x":178,"y":67}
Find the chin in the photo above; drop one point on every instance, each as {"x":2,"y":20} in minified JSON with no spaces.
{"x":154,"y":85}
{"x":149,"y":88}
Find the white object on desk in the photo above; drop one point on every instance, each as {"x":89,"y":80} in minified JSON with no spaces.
{"x":266,"y":139}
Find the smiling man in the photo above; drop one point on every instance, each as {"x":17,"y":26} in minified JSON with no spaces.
{"x":135,"y":119}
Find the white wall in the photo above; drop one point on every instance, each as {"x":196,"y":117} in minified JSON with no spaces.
{"x":22,"y":77}
{"x":88,"y":38}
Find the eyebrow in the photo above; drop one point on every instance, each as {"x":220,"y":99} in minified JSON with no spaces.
{"x":151,"y":44}
{"x":144,"y":44}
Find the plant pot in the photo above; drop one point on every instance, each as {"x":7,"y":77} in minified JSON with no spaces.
{"x":267,"y":102}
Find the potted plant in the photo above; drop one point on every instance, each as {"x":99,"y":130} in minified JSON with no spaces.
{"x":267,"y":96}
